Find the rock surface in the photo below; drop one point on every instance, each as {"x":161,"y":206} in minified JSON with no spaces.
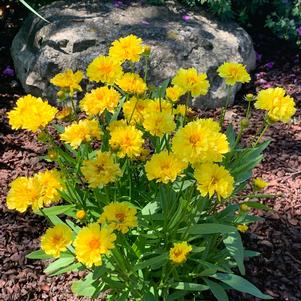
{"x":81,"y":30}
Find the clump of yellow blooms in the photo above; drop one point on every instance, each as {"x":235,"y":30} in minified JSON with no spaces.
{"x":119,"y":216}
{"x":159,"y":123}
{"x":189,"y":80}
{"x":200,"y":141}
{"x":212,"y":178}
{"x":91,"y":242}
{"x":56,"y":240}
{"x":179,"y":252}
{"x":99,"y":100}
{"x":104,"y":69}
{"x":278,"y":106}
{"x":127,"y":48}
{"x":164,"y":167}
{"x":82,"y":131}
{"x":233,"y":73}
{"x":174,"y":93}
{"x":101,"y":170}
{"x":132,"y":83}
{"x":68,"y":80}
{"x":127,"y":141}
{"x":31,"y":113}
{"x":260,"y":183}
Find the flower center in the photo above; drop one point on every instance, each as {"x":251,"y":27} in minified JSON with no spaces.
{"x":120,"y":216}
{"x":194,"y":139}
{"x":94,"y":244}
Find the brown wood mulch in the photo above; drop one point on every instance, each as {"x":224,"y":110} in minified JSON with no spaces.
{"x":277,"y":271}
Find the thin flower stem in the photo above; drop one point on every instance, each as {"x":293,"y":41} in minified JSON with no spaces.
{"x":224,"y":109}
{"x":186,"y":108}
{"x":261,"y":135}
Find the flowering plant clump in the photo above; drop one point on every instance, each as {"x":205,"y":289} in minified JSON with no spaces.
{"x":145,"y":197}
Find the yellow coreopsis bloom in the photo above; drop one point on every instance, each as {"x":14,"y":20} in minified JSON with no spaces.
{"x":80,"y":214}
{"x":101,"y":170}
{"x":233,"y":73}
{"x":116,"y":124}
{"x":278,"y":106}
{"x":91,"y":242}
{"x":179,"y":252}
{"x":200,"y":141}
{"x":260,"y":183}
{"x":119,"y":216}
{"x":127,"y":48}
{"x":100,"y":99}
{"x":63,"y":113}
{"x":191,"y":81}
{"x":164,"y":167}
{"x":159,"y":123}
{"x":242,"y":228}
{"x":56,"y":240}
{"x":50,"y":180}
{"x":212,"y":178}
{"x":104,"y":69}
{"x":157,"y":105}
{"x":68,"y":80}
{"x":132,"y":83}
{"x":127,"y":141}
{"x":82,"y":131}
{"x":174,"y":93}
{"x":133,"y":110}
{"x":24,"y":192}
{"x":31,"y":113}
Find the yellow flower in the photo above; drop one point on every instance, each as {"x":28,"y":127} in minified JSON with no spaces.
{"x":191,"y":81}
{"x":159,"y":123}
{"x":95,"y":102}
{"x":260,"y":183}
{"x":80,"y":214}
{"x":127,"y":141}
{"x":279,"y":106}
{"x":50,"y":180}
{"x":31,"y":113}
{"x":101,"y":170}
{"x":233,"y":73}
{"x":68,"y":80}
{"x":119,"y":216}
{"x":127,"y":48}
{"x":24,"y":192}
{"x":132,"y":83}
{"x":200,"y":141}
{"x":242,"y":228}
{"x":182,"y":110}
{"x":133,"y":110}
{"x":56,"y":240}
{"x":164,"y":167}
{"x":91,"y":242}
{"x":84,"y":130}
{"x":65,"y":112}
{"x":179,"y":252}
{"x":104,"y":69}
{"x":174,"y":93}
{"x":116,"y":124}
{"x":212,"y":178}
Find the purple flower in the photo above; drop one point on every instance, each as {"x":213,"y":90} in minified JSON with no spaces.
{"x":299,"y":31}
{"x":8,"y":71}
{"x":258,"y":56}
{"x":269,"y":65}
{"x":186,"y":18}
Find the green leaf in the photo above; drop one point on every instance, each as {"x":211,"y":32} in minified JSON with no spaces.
{"x":116,"y":112}
{"x":256,"y":205}
{"x":250,"y":253}
{"x":39,"y":254}
{"x":217,"y":290}
{"x":148,"y":296}
{"x":56,"y":210}
{"x":235,"y":247}
{"x":230,"y":133}
{"x":150,"y":208}
{"x":209,"y":229}
{"x":83,"y":288}
{"x":154,"y":261}
{"x":33,"y":11}
{"x":241,"y":284}
{"x":189,"y":286}
{"x":176,"y":296}
{"x":59,"y":264}
{"x":70,"y":268}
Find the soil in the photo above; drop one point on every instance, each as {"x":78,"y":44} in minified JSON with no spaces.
{"x":277,"y":271}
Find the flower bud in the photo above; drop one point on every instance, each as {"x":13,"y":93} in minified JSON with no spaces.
{"x":244,"y":208}
{"x":80,"y":214}
{"x":146,"y":50}
{"x":244,"y":123}
{"x":250,"y":97}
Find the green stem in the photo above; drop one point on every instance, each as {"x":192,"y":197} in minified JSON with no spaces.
{"x":224,"y":109}
{"x":74,"y":108}
{"x":186,"y":107}
{"x":266,"y":126}
{"x":248,"y":113}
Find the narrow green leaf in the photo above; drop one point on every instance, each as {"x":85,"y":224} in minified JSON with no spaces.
{"x":235,"y":247}
{"x":158,"y":260}
{"x":250,"y":253}
{"x":241,"y":284}
{"x":70,"y":268}
{"x":83,"y":288}
{"x":56,"y":210}
{"x":189,"y":286}
{"x":58,"y":264}
{"x":176,"y":296}
{"x":230,"y":133}
{"x":256,"y":205}
{"x":116,"y":113}
{"x":39,"y":254}
{"x":33,"y":11}
{"x":217,"y":290}
{"x":148,"y":296}
{"x":209,"y":229}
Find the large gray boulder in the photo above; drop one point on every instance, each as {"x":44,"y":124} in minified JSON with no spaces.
{"x":81,"y":30}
